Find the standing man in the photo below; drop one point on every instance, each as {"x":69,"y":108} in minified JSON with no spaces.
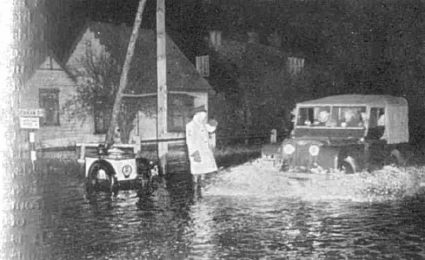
{"x":200,"y":152}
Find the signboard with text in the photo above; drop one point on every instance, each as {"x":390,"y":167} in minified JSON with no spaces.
{"x":29,"y":122}
{"x":31,"y":112}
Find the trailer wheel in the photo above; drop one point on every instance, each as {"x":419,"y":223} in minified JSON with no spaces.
{"x":93,"y":181}
{"x":113,"y":184}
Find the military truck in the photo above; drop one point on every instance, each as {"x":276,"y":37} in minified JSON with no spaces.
{"x":349,"y":133}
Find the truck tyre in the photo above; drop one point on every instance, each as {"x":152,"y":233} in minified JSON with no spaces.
{"x":397,"y":158}
{"x":348,"y":165}
{"x":347,"y":168}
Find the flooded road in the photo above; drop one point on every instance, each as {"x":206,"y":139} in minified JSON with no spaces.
{"x":50,"y":217}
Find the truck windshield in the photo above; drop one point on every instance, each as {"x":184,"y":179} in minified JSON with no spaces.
{"x":332,"y":116}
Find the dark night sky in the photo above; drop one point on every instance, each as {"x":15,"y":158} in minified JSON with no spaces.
{"x":312,"y":28}
{"x":369,"y":43}
{"x":182,"y":16}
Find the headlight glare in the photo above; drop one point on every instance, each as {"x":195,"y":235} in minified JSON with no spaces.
{"x":288,"y":149}
{"x":314,"y":150}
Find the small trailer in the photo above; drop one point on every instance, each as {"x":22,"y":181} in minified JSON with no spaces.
{"x":118,"y":168}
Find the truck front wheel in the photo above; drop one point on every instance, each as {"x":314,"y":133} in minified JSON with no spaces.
{"x":346,"y":168}
{"x":348,"y":165}
{"x":396,"y":158}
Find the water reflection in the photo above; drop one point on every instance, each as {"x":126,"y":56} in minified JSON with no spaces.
{"x":173,"y":224}
{"x":201,"y":232}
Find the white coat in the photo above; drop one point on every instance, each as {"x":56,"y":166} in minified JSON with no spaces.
{"x":197,"y":139}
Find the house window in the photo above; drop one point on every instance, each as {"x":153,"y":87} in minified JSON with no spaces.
{"x":101,"y":120}
{"x":203,"y":65}
{"x":49,"y":101}
{"x":179,"y":108}
{"x":295,"y":65}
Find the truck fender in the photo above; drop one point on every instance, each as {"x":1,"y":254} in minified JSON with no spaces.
{"x":398,"y":157}
{"x":352,"y":162}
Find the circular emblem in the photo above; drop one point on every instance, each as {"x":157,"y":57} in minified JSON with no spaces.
{"x":126,"y":170}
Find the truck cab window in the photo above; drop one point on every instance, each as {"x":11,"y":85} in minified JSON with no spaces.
{"x":376,"y":123}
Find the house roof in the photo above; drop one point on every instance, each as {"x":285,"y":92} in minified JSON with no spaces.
{"x":354,"y":99}
{"x":38,"y":61}
{"x":251,"y":54}
{"x":181,"y":74}
{"x":41,"y":64}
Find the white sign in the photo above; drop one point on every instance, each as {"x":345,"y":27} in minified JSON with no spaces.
{"x":29,"y":122}
{"x":32,"y":137}
{"x":295,"y":64}
{"x":32,"y":112}
{"x":33,"y":155}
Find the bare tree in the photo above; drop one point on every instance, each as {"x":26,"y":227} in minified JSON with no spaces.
{"x":98,"y":80}
{"x":102,"y":82}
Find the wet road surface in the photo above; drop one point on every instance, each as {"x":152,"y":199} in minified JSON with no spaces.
{"x":50,"y":217}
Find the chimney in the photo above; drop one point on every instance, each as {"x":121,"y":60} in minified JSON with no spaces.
{"x":253,"y":37}
{"x":215,"y":39}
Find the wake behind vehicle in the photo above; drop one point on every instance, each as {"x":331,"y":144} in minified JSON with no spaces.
{"x":114,"y":169}
{"x":349,"y":133}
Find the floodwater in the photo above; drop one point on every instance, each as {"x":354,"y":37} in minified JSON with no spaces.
{"x":237,"y":217}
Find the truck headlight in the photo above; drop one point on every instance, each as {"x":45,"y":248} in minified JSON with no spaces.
{"x":314,"y":150}
{"x":288,"y":149}
{"x":126,"y":170}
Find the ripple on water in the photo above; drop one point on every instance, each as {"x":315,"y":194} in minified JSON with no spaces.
{"x":257,"y":179}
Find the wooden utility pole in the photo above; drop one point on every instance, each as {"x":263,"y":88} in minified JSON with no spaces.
{"x":124,"y":74}
{"x":162,"y":84}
